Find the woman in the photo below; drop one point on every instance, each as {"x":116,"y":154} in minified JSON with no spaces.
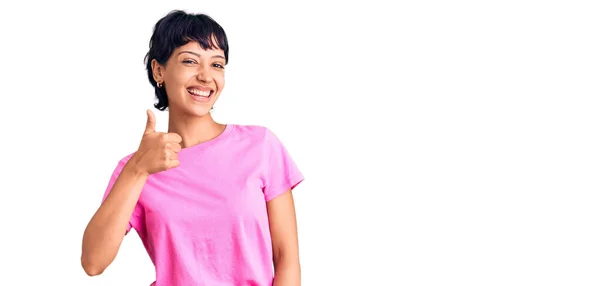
{"x":211,"y":202}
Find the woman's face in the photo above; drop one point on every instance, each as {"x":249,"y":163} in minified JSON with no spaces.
{"x":193,"y":78}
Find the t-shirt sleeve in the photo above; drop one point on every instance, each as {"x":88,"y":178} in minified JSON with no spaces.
{"x":281,"y":174}
{"x":134,"y":221}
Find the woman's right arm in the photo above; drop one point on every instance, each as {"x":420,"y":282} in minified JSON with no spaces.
{"x":106,"y":230}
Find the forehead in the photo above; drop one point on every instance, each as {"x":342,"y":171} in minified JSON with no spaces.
{"x":195,"y":47}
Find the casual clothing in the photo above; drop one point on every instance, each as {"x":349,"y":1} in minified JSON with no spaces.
{"x":205,"y":222}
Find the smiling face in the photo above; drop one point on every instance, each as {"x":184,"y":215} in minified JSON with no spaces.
{"x":192,"y":77}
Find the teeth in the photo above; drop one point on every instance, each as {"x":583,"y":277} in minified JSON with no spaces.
{"x":199,"y":92}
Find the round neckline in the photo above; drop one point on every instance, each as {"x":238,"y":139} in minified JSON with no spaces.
{"x":210,"y":143}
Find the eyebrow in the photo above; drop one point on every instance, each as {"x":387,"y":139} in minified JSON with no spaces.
{"x":198,"y":55}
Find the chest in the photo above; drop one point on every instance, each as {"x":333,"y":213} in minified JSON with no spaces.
{"x":207,"y":194}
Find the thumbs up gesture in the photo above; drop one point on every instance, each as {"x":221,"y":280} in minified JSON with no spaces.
{"x":157,"y":151}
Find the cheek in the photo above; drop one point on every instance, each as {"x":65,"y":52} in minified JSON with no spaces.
{"x":176,"y":81}
{"x":174,"y":88}
{"x":180,"y":77}
{"x":220,"y":82}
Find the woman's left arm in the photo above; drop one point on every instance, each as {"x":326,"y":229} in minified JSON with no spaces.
{"x":284,"y":237}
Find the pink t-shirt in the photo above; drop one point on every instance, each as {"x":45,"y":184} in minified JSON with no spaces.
{"x":205,"y":222}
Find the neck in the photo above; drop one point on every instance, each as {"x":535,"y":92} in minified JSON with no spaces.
{"x":193,"y":129}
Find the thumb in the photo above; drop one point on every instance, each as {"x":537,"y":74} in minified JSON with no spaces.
{"x":151,"y":123}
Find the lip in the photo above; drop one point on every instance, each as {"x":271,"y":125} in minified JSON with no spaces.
{"x":201,"y":98}
{"x":200,"y":88}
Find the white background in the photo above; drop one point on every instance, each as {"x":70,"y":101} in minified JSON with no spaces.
{"x":443,"y":142}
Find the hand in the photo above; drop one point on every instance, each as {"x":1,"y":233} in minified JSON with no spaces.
{"x":157,"y":151}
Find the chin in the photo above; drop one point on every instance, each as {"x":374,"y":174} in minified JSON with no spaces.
{"x":190,"y":110}
{"x":195,"y":107}
{"x":200,"y":111}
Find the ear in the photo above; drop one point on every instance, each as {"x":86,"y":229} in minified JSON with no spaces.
{"x":157,"y":71}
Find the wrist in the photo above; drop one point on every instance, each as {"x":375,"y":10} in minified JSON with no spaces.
{"x":134,"y":168}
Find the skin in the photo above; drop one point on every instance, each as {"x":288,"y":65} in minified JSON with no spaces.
{"x":190,"y":123}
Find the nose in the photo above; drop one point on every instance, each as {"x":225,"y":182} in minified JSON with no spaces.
{"x":203,"y":74}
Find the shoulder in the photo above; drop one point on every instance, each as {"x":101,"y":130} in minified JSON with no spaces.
{"x":257,"y":133}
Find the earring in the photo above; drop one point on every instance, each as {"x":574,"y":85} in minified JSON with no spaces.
{"x":159,"y":84}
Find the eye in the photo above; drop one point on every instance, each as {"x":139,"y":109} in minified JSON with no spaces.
{"x":188,"y":61}
{"x":218,"y":66}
